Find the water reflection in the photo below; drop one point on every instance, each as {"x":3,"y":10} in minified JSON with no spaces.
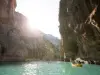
{"x":30,"y":69}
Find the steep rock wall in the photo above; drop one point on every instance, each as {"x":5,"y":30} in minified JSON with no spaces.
{"x":79,"y":39}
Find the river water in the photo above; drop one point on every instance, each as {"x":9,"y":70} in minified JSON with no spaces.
{"x":47,"y":68}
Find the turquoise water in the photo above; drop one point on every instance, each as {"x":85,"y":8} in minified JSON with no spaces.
{"x":47,"y":68}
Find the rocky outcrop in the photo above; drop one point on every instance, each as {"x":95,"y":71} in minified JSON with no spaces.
{"x":79,"y":38}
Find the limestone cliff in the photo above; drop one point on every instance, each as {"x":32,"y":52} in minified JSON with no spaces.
{"x":79,"y":37}
{"x":17,"y":43}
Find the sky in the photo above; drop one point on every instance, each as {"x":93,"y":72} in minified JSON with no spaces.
{"x":42,"y":14}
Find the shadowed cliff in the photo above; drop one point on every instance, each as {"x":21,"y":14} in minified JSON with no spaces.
{"x":79,"y":28}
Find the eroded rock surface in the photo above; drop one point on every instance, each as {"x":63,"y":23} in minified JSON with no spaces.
{"x":80,"y":38}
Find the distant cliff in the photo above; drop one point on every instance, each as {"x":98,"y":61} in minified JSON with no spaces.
{"x":54,"y":40}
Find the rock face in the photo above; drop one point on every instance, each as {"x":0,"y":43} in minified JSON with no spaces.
{"x":3,"y":8}
{"x":17,"y":43}
{"x":79,"y":37}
